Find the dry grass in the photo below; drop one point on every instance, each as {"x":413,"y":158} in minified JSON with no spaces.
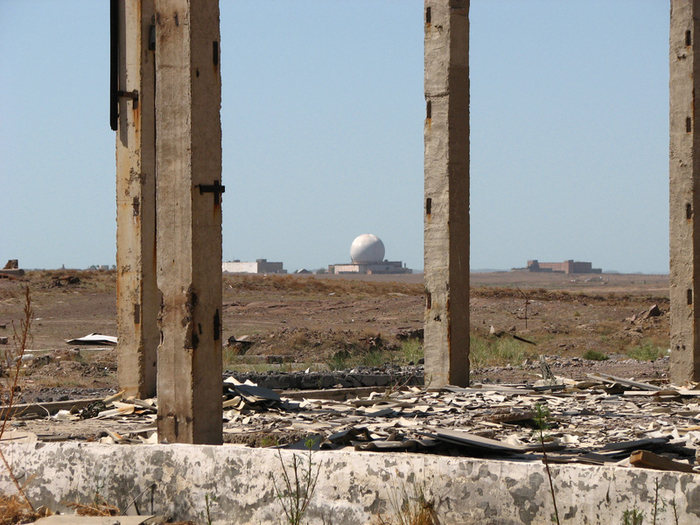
{"x":295,"y":284}
{"x":411,"y":505}
{"x":97,"y":507}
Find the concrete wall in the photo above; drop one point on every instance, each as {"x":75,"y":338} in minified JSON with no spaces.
{"x":353,"y":487}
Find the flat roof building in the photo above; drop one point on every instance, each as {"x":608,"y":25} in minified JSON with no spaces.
{"x":567,"y":267}
{"x":259,"y":266}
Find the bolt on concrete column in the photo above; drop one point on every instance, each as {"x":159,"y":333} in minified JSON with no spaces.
{"x":138,"y":299}
{"x":684,"y":157}
{"x":188,"y":146}
{"x":446,"y":219}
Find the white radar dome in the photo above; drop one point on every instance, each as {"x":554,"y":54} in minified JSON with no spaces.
{"x":367,"y":248}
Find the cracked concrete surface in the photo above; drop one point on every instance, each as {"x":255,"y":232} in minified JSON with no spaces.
{"x":353,"y":488}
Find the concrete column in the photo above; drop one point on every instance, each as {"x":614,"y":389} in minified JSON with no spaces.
{"x":138,"y":299}
{"x":446,"y":221}
{"x":188,"y":146}
{"x":684,"y":156}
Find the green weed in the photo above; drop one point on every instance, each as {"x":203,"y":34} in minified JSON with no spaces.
{"x":410,"y":351}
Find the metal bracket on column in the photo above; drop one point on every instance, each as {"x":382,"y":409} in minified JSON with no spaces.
{"x":133,"y":95}
{"x":217,"y":189}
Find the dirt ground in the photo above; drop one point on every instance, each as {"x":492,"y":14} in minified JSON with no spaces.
{"x":326,"y":321}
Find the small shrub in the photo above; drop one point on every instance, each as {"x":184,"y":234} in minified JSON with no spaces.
{"x":595,"y":355}
{"x":648,"y":351}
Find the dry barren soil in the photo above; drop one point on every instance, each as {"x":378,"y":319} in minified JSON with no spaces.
{"x":336,"y":321}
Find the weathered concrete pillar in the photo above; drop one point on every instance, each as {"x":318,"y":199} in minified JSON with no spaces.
{"x":447,"y":192}
{"x":138,"y":299}
{"x":188,"y":145}
{"x":684,"y":156}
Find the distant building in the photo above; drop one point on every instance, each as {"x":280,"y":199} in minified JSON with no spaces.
{"x":259,"y":266}
{"x":367,"y":252}
{"x":567,"y":267}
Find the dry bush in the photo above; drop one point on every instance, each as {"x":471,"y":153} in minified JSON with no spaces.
{"x":14,"y":510}
{"x":15,"y":507}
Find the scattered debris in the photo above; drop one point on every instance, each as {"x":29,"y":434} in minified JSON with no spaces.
{"x":241,"y":345}
{"x":58,"y":281}
{"x":602,"y":420}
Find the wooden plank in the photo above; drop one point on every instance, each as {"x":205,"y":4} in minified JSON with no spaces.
{"x":646,"y":459}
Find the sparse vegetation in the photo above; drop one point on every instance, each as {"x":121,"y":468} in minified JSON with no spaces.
{"x":595,"y":355}
{"x":495,"y":352}
{"x":410,"y":351}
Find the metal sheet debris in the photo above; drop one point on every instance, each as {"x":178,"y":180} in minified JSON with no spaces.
{"x":93,"y":339}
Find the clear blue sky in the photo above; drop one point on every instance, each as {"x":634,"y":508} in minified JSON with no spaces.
{"x":322,"y":117}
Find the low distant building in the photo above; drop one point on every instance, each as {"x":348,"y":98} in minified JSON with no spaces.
{"x":392,"y":267}
{"x":367,"y":252}
{"x":567,"y":267}
{"x":259,"y":266}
